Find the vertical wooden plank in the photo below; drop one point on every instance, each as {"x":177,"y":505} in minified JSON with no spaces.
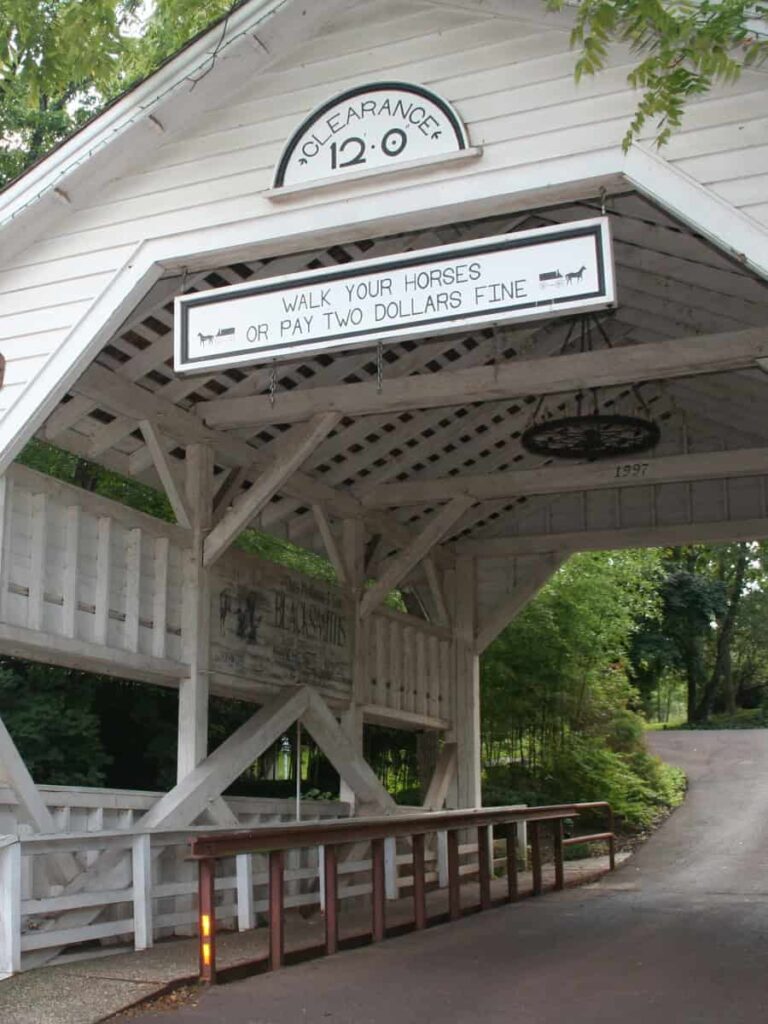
{"x":433,"y":674}
{"x":466,"y":716}
{"x":484,"y":865}
{"x":71,"y":556}
{"x":206,"y":902}
{"x":378,"y":925}
{"x":512,"y":887}
{"x":38,"y":561}
{"x":445,"y":693}
{"x":422,"y":675}
{"x":410,"y":678}
{"x":276,"y":915}
{"x":103,"y":573}
{"x":246,"y":913}
{"x":454,"y":879}
{"x":557,"y":835}
{"x":382,"y":688}
{"x":6,"y":491}
{"x":419,"y":889}
{"x":390,"y":868}
{"x":141,"y":858}
{"x":10,"y":909}
{"x":192,"y":745}
{"x":535,"y":837}
{"x":442,"y":860}
{"x":330,"y":886}
{"x":132,"y":589}
{"x":160,"y":596}
{"x":396,"y":664}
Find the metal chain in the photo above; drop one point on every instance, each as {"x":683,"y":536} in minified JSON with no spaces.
{"x":379,"y":367}
{"x":272,"y":383}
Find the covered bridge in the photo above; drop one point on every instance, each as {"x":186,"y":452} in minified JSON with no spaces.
{"x":296,"y":139}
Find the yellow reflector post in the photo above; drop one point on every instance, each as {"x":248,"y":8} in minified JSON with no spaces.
{"x":207,"y":954}
{"x":205,"y":925}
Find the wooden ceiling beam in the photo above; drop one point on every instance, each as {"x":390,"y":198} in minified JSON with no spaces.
{"x":679,"y":357}
{"x":125,"y":399}
{"x":634,"y":471}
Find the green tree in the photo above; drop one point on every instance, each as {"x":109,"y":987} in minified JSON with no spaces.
{"x":684,"y":47}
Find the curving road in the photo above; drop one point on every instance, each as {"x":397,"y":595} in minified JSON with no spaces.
{"x":679,"y":935}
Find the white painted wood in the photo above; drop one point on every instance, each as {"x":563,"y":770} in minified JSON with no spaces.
{"x":69,"y":589}
{"x":525,"y":590}
{"x":192,"y":744}
{"x":103,"y":580}
{"x":159,"y":596}
{"x":347,"y":761}
{"x":398,"y":568}
{"x":331,"y":545}
{"x":169,"y":477}
{"x":15,"y":773}
{"x":682,"y":357}
{"x":442,"y":777}
{"x":293,"y":452}
{"x":246,"y":913}
{"x":714,"y":465}
{"x":132,"y":590}
{"x":38,"y":561}
{"x":141,"y":857}
{"x":442,"y":860}
{"x":467,"y":686}
{"x":10,"y":908}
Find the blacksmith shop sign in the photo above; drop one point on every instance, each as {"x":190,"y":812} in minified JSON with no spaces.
{"x":277,"y":627}
{"x":527,"y":275}
{"x":371,"y":127}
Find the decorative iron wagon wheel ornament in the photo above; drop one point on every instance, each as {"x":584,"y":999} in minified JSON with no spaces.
{"x":591,"y":437}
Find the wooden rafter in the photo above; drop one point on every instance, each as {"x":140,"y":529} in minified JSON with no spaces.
{"x":169,"y":478}
{"x":292,"y":453}
{"x":632,"y":472}
{"x":397,"y":569}
{"x":681,"y":357}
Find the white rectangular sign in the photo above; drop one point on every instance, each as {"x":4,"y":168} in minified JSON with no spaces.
{"x":526,"y":275}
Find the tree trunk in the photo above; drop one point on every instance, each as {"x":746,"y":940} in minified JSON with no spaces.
{"x":721,"y":671}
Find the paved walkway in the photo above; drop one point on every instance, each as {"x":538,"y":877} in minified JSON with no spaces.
{"x":678,"y":936}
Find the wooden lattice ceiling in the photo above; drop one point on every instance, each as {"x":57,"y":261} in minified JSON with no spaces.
{"x":670,"y":284}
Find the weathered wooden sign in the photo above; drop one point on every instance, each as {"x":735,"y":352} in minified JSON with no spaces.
{"x":527,"y":275}
{"x":276,"y":627}
{"x":371,"y":126}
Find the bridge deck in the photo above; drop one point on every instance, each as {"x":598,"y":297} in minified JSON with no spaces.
{"x":677,"y":935}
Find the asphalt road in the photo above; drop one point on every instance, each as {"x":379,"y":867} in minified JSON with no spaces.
{"x":679,"y":935}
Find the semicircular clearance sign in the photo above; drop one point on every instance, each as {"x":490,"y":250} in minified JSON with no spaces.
{"x":370,"y":127}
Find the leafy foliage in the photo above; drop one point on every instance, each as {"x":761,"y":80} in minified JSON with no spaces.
{"x":684,"y":46}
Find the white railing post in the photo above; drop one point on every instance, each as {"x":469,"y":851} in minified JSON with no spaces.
{"x":246,"y":913}
{"x":390,"y":868}
{"x":141,"y":856}
{"x":10,"y":907}
{"x":522,"y":845}
{"x":442,"y":860}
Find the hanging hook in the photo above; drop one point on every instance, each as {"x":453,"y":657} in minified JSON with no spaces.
{"x":272,"y":382}
{"x":379,"y":367}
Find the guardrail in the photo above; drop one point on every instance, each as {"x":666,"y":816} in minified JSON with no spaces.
{"x":597,"y":837}
{"x":379,"y":832}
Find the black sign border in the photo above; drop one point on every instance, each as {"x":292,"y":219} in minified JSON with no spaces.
{"x":314,"y":277}
{"x":358,"y":90}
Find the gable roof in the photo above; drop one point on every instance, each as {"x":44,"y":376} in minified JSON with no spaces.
{"x":129,"y":126}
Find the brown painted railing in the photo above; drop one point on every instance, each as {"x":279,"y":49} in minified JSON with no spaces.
{"x":275,"y":841}
{"x":608,"y":836}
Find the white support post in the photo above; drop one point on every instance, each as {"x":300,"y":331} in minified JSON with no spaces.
{"x":69,"y":610}
{"x":246,"y":913}
{"x":141,"y":858}
{"x":466,"y":713}
{"x":353,"y":554}
{"x":10,"y":907}
{"x":193,"y":691}
{"x":321,"y":876}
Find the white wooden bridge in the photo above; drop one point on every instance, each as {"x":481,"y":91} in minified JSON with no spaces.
{"x":404,"y":468}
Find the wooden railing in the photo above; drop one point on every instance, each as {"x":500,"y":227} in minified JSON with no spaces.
{"x":330,"y":836}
